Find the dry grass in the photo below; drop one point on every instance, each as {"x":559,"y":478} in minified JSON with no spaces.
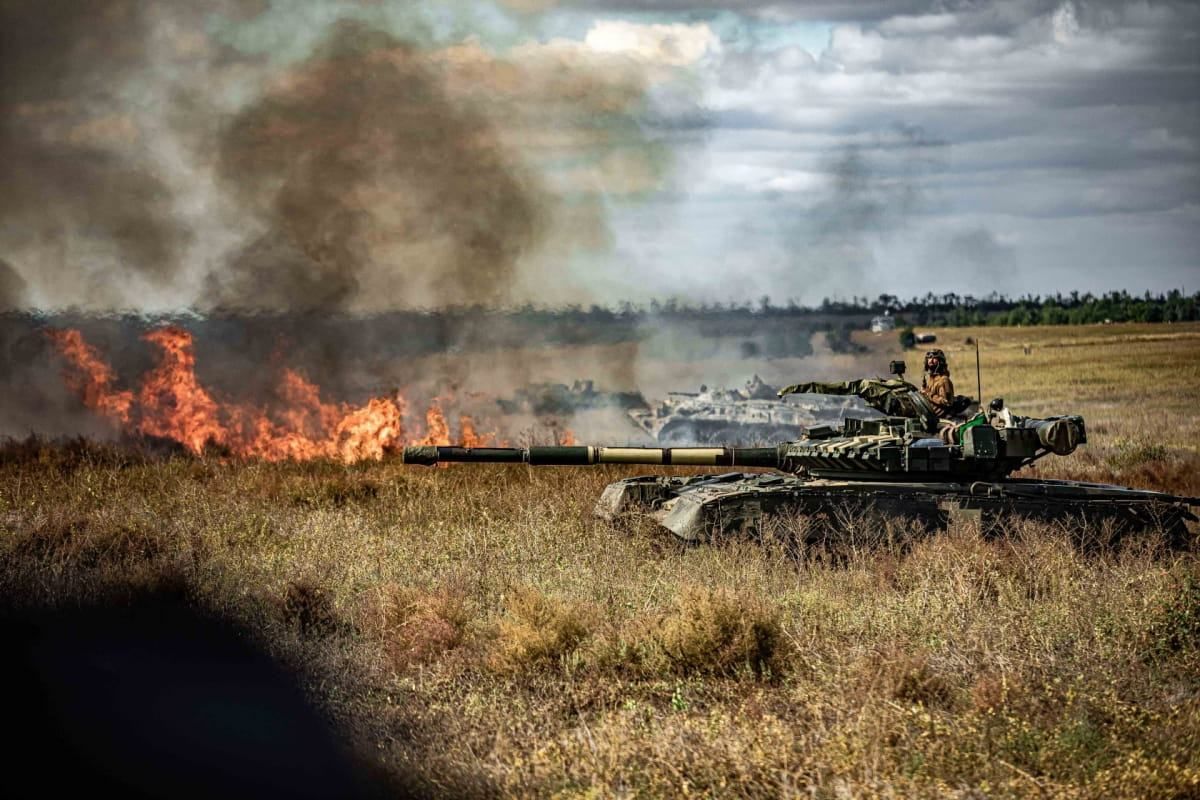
{"x":477,"y":631}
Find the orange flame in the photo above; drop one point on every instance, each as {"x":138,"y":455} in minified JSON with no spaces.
{"x":92,"y":379}
{"x":437,"y":430}
{"x":171,"y":403}
{"x":470,"y":437}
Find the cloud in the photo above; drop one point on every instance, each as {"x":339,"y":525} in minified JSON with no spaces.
{"x":676,"y":45}
{"x":1047,"y":110}
{"x":772,"y":9}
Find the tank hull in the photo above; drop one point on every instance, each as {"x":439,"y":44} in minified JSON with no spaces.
{"x":706,"y":507}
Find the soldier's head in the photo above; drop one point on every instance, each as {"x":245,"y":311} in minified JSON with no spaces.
{"x":935,"y":363}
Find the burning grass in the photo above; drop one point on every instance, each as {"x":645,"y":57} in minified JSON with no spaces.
{"x":477,"y":632}
{"x":172,"y":405}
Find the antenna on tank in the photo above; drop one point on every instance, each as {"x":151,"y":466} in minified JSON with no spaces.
{"x":978,"y":373}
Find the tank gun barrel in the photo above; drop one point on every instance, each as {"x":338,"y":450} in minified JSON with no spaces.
{"x":583,"y":455}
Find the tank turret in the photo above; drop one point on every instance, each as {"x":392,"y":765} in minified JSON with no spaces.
{"x":864,"y":450}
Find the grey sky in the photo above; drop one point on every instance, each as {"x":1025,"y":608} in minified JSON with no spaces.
{"x":704,"y":150}
{"x":1018,"y":147}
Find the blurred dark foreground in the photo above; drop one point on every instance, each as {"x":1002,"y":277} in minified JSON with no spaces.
{"x":152,"y":699}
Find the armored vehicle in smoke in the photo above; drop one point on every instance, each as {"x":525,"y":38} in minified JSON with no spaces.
{"x":903,"y":462}
{"x":752,"y":414}
{"x":559,"y":399}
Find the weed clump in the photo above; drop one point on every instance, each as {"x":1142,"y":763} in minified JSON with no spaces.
{"x":1176,"y":629}
{"x":1128,"y":454}
{"x":721,"y":632}
{"x":88,"y":543}
{"x":913,"y":678}
{"x":416,"y":626}
{"x":309,"y":608}
{"x":333,"y":491}
{"x":538,"y":630}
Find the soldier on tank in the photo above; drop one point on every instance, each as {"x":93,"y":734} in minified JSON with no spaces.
{"x":936,"y":385}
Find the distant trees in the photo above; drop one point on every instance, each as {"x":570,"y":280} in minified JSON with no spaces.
{"x":995,"y":309}
{"x":932,"y":309}
{"x":1076,"y":309}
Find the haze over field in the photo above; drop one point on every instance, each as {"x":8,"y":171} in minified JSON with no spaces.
{"x":322,"y":155}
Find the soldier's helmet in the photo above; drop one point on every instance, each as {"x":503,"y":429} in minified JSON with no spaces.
{"x":938,"y":359}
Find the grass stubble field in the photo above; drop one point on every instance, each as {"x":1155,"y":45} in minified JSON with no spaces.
{"x":475,"y":631}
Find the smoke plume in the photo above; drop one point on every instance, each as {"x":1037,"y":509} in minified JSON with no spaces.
{"x":358,"y":159}
{"x":69,"y":184}
{"x":161,"y":156}
{"x":12,"y":287}
{"x":872,"y":192}
{"x":152,"y":159}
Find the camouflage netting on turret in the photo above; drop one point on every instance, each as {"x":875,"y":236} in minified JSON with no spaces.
{"x":893,"y":397}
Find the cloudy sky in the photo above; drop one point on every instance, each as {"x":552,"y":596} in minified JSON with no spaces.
{"x":365,"y":155}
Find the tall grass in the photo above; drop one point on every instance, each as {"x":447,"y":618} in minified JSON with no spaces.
{"x":478,"y":632}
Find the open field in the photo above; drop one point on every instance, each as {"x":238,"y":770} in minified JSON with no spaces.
{"x":475,"y":631}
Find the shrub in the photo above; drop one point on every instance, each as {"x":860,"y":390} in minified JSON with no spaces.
{"x":1176,"y":628}
{"x":912,"y":678}
{"x":309,"y":608}
{"x":537,"y":630}
{"x":1134,"y":454}
{"x":720,"y":632}
{"x":417,"y":626}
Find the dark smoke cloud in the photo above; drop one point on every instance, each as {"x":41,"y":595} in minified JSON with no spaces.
{"x":382,"y":172}
{"x":387,"y":170}
{"x":980,"y":249}
{"x":360,"y":150}
{"x":69,"y":185}
{"x":12,"y":287}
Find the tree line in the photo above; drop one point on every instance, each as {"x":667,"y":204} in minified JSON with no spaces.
{"x":1057,"y":309}
{"x":932,"y":309}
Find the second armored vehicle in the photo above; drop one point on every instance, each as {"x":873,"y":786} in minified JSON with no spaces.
{"x":752,"y":414}
{"x":559,"y":399}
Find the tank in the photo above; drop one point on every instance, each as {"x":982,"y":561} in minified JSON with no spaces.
{"x":902,"y":461}
{"x":752,"y":414}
